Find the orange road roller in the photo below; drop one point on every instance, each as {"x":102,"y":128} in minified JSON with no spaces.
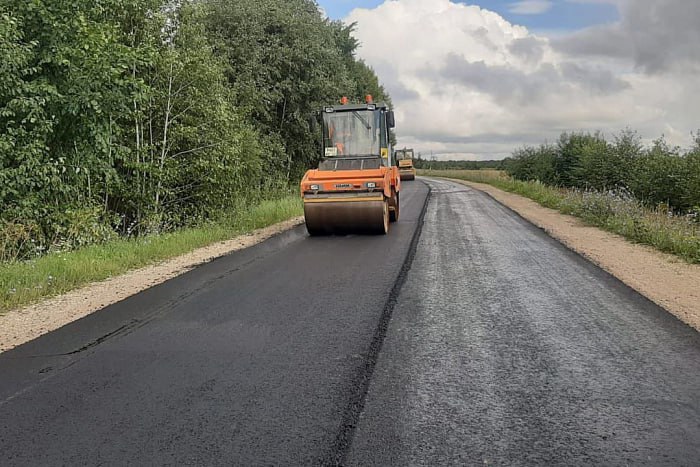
{"x":355,"y":188}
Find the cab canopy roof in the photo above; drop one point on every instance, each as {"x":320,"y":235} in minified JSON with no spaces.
{"x":355,"y":107}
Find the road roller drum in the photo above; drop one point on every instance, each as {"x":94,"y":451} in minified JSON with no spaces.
{"x":328,"y":216}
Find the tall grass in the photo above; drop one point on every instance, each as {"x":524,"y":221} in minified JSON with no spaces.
{"x":617,"y":212}
{"x":25,"y":282}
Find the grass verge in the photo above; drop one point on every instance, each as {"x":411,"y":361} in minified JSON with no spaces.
{"x":616,"y":213}
{"x":22,"y":283}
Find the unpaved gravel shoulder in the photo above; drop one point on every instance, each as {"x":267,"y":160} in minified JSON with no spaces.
{"x":664,"y":279}
{"x":27,"y":323}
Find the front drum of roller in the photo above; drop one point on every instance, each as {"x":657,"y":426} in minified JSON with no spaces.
{"x":347,"y":217}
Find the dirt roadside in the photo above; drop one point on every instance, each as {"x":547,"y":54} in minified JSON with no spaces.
{"x":22,"y":325}
{"x":664,"y":279}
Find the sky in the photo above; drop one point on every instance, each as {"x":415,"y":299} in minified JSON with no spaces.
{"x":478,"y":79}
{"x":543,"y":15}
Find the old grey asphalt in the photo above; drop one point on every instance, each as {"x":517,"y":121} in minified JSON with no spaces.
{"x":503,"y":348}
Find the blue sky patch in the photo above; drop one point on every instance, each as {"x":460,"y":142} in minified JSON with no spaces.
{"x":562,"y":16}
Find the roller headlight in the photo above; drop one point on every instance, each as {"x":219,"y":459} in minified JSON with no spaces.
{"x":314,"y":187}
{"x":371,"y":185}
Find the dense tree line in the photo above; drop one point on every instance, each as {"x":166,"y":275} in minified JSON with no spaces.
{"x":421,"y":163}
{"x":658,"y":174}
{"x":131,"y":116}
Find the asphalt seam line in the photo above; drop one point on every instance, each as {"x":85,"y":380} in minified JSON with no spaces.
{"x":353,"y":411}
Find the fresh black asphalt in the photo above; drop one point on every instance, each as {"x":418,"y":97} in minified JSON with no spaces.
{"x":501,"y":347}
{"x":255,"y":358}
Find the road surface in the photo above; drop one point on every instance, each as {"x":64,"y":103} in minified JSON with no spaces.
{"x":506,"y":348}
{"x":476,"y":339}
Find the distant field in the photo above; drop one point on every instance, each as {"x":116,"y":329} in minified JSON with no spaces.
{"x":678,"y":235}
{"x":479,"y":176}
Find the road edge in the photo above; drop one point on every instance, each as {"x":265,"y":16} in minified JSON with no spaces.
{"x":684,"y":306}
{"x":32,"y":321}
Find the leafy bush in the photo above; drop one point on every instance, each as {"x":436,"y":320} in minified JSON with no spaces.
{"x":18,"y":240}
{"x":658,"y":175}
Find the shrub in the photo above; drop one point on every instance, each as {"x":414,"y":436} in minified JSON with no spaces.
{"x":655,"y":175}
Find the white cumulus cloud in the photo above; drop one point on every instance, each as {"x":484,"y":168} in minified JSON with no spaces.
{"x":466,"y":83}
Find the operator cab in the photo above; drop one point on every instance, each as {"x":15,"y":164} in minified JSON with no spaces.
{"x":404,"y":155}
{"x":356,"y":136}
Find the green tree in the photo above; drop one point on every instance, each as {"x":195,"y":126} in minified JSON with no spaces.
{"x":658,"y":176}
{"x":534,"y":164}
{"x":691,"y":183}
{"x":28,"y":176}
{"x":598,"y":166}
